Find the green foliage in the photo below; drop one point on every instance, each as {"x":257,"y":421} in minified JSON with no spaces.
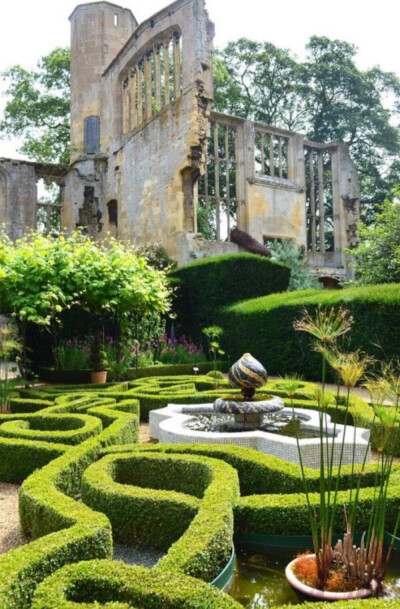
{"x":10,"y":347}
{"x":204,"y":477}
{"x":40,"y":277}
{"x":32,"y":404}
{"x":377,"y":256}
{"x":180,"y":500}
{"x":327,"y":96}
{"x":206,"y":285}
{"x":38,"y":107}
{"x":294,"y":257}
{"x":107,"y":581}
{"x":70,"y":429}
{"x":157,"y":256}
{"x":264,"y":326}
{"x":72,"y":356}
{"x":98,"y":359}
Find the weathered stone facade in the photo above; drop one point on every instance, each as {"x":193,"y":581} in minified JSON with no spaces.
{"x":19,"y":204}
{"x":152,"y":163}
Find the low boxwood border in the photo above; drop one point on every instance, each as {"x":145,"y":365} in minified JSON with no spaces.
{"x":195,"y":528}
{"x":63,"y":530}
{"x":61,"y":429}
{"x":128,"y":587}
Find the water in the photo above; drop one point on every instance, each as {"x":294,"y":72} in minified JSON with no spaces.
{"x":281,"y":424}
{"x":259,"y":581}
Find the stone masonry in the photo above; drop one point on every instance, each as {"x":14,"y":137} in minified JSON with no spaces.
{"x":152,"y":163}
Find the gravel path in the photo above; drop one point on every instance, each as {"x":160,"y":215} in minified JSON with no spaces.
{"x":10,"y":534}
{"x":11,"y":537}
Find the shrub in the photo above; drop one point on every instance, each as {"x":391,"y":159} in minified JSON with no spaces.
{"x":264,"y":326}
{"x":46,"y":506}
{"x":160,"y":499}
{"x":206,"y":285}
{"x":101,"y":581}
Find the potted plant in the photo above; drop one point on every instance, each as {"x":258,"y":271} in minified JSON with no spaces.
{"x":98,"y":360}
{"x":344,"y":571}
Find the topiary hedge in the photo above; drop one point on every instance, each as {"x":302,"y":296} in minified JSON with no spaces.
{"x":97,"y":582}
{"x":264,"y":327}
{"x":47,"y":506}
{"x":206,"y":285}
{"x":68,"y":429}
{"x":184,"y":495}
{"x":158,"y":500}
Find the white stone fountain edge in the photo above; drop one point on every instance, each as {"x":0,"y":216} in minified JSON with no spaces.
{"x":167,"y":425}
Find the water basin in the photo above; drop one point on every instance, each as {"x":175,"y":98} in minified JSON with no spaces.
{"x":259,"y":580}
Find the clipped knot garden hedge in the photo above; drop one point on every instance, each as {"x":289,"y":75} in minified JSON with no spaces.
{"x":187,"y":500}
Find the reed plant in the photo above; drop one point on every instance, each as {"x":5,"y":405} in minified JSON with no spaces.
{"x":367,"y":563}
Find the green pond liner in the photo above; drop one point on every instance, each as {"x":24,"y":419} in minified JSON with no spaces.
{"x":298,"y":542}
{"x":295,"y":541}
{"x":223,"y":579}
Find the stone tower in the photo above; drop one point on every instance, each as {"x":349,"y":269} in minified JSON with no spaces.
{"x":99,"y":30}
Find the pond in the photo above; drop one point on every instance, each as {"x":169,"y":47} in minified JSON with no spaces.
{"x":281,"y":423}
{"x":259,"y":581}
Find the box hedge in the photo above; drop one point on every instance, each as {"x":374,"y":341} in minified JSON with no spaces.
{"x":200,"y":483}
{"x":103,"y":581}
{"x":264,"y":327}
{"x":158,"y":499}
{"x":206,"y":285}
{"x":47,"y":506}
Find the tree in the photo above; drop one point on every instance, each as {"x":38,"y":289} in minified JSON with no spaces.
{"x":259,"y":81}
{"x":38,"y":107}
{"x":377,"y":257}
{"x":294,"y":257}
{"x":327,"y":96}
{"x":40,"y":277}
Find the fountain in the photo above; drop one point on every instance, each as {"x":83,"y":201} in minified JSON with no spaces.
{"x":259,"y":424}
{"x":248,"y":374}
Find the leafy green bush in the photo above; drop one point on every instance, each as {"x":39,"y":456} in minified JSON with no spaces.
{"x":286,"y":252}
{"x":206,"y":285}
{"x":106,"y":581}
{"x":159,"y":500}
{"x":264,"y":326}
{"x":28,"y":405}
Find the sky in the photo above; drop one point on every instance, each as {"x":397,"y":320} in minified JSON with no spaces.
{"x":32,"y":28}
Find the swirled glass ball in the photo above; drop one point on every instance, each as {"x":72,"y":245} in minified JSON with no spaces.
{"x":247,"y":373}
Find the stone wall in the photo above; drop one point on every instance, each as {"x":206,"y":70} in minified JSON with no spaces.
{"x":144,"y":141}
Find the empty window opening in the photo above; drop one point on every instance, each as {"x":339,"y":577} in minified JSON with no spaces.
{"x":48,"y":208}
{"x":112,"y":207}
{"x":153,"y":82}
{"x":217,"y":188}
{"x":319,"y":200}
{"x":271,"y":154}
{"x":115,"y":19}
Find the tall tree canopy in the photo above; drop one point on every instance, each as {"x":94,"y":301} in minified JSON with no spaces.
{"x":377,"y":256}
{"x":37,"y":108}
{"x":327,"y":96}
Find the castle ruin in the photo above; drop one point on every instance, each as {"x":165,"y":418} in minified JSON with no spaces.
{"x":152,"y":162}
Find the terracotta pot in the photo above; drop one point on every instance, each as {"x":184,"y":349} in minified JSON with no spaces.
{"x":321,"y":594}
{"x":98,"y":376}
